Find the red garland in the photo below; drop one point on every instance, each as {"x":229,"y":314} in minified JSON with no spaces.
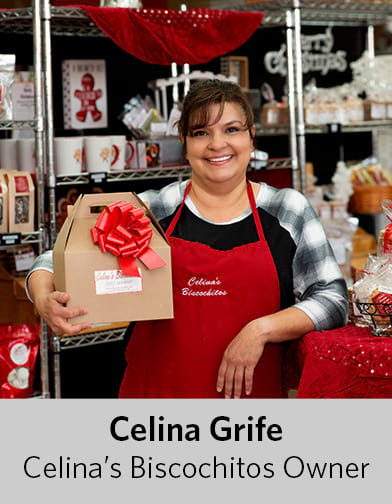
{"x":123,"y":230}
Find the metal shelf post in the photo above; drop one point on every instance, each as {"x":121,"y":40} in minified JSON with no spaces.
{"x":292,"y":99}
{"x":300,"y":125}
{"x":39,"y":148}
{"x":48,"y":97}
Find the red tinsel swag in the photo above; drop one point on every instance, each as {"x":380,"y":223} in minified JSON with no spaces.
{"x":164,"y":36}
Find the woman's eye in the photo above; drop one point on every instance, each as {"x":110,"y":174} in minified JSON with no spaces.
{"x":199,"y":133}
{"x":232,"y":129}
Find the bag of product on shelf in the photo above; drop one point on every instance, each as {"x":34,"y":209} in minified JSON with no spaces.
{"x":23,"y":94}
{"x":3,"y":203}
{"x":19,"y":259}
{"x":272,"y":112}
{"x":7,"y":75}
{"x":20,"y":202}
{"x":384,"y":243}
{"x":18,"y":352}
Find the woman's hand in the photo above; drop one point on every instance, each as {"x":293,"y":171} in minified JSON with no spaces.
{"x":51,"y":304}
{"x":245,"y":350}
{"x":239,"y":361}
{"x":51,"y":307}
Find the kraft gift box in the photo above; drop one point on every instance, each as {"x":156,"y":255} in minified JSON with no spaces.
{"x":93,"y":278}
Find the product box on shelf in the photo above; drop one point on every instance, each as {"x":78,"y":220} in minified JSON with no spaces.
{"x":84,"y":94}
{"x":375,"y":110}
{"x":171,"y":150}
{"x":3,"y":203}
{"x":23,"y":96}
{"x":131,"y":161}
{"x":97,"y":280}
{"x":21,"y":202}
{"x":149,"y":154}
{"x":274,"y":114}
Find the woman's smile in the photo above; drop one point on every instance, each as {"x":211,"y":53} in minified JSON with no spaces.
{"x":219,"y":160}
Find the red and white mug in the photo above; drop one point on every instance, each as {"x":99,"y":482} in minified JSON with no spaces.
{"x":123,"y":153}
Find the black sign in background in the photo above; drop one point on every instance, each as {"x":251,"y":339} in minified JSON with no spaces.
{"x":351,"y":40}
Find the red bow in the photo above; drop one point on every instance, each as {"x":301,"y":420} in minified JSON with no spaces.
{"x":124,"y":230}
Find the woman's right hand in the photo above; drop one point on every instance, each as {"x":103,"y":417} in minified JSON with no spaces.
{"x":51,"y":307}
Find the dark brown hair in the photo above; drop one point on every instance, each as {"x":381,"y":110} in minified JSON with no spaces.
{"x":195,"y":108}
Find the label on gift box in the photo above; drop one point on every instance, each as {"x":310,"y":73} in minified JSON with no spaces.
{"x":114,"y":282}
{"x":84,"y":94}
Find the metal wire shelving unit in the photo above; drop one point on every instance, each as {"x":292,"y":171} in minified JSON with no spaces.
{"x":45,"y":21}
{"x":22,"y":21}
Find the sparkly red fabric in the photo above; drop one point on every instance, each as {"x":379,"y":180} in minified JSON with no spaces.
{"x":164,"y":36}
{"x":343,"y":363}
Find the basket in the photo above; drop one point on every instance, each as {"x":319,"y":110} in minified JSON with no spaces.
{"x":367,"y":198}
{"x":378,"y":317}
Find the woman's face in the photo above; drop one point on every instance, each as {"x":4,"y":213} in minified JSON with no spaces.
{"x":220,"y":151}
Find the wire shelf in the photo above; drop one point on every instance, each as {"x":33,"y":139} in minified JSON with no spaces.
{"x":153,"y":173}
{"x":93,"y":338}
{"x":8,"y":240}
{"x":315,"y":11}
{"x":378,"y":317}
{"x":68,"y":21}
{"x":17,"y":125}
{"x":355,"y":127}
{"x":73,"y":21}
{"x":33,"y":237}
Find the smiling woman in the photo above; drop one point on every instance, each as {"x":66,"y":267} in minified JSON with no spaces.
{"x":251,"y":267}
{"x":217,"y":131}
{"x":220,"y":151}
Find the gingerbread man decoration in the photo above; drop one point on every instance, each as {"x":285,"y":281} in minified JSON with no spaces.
{"x":88,"y":96}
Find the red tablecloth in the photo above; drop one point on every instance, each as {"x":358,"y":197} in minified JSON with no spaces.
{"x":343,"y":363}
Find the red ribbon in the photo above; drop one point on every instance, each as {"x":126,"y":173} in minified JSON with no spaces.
{"x":123,"y":230}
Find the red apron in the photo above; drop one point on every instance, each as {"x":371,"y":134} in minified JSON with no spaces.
{"x":216,"y":293}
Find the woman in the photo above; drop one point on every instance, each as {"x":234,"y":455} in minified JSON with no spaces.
{"x":251,"y":265}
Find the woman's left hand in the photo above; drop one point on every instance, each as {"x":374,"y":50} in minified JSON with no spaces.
{"x":239,"y":361}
